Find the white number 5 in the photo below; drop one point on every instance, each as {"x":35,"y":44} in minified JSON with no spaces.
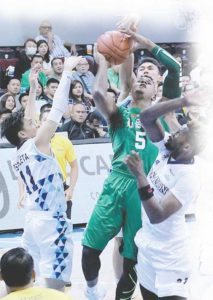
{"x":140,"y":141}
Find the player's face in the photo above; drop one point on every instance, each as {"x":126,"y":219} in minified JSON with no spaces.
{"x":144,"y":87}
{"x":178,"y":144}
{"x":149,"y":69}
{"x":29,"y":128}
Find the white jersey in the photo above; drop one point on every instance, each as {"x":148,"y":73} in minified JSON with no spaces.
{"x":42,"y":178}
{"x":167,"y":240}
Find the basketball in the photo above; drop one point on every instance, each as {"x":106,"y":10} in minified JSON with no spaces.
{"x":115,"y":46}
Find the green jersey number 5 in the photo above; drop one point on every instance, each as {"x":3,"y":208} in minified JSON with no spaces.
{"x":140,"y":141}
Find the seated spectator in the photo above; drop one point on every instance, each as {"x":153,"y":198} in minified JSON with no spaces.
{"x":23,"y":99}
{"x":76,"y":95}
{"x":13,"y":88}
{"x":94,"y":121}
{"x":17,"y":271}
{"x":113,"y":78}
{"x":76,"y":128}
{"x":25,"y":84}
{"x":86,"y":77}
{"x":51,"y":87}
{"x":8,"y":102}
{"x":56,"y":46}
{"x":57,"y":68}
{"x":4,"y":113}
{"x":25,"y":57}
{"x":39,"y":91}
{"x":43,"y":50}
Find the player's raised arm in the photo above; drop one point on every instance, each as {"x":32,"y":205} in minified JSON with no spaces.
{"x":106,"y":106}
{"x":171,"y":88}
{"x":126,"y":76}
{"x":60,"y":102}
{"x":149,"y":117}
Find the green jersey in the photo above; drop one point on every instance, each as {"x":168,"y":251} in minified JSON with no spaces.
{"x":127,"y":134}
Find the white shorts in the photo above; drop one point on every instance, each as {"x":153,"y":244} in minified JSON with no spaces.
{"x":162,"y":270}
{"x":162,"y":281}
{"x":49,"y":242}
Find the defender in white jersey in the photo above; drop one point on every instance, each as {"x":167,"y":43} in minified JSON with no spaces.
{"x":171,"y":186}
{"x":47,"y":231}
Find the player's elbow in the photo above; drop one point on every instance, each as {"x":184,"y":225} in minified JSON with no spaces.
{"x":156,"y":218}
{"x":175,"y":68}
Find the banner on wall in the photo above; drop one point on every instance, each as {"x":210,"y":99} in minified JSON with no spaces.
{"x":94,"y":162}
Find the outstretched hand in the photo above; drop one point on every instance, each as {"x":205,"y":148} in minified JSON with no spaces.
{"x":134,"y":163}
{"x":71,"y":62}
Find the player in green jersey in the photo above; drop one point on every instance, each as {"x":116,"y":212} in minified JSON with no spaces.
{"x":119,"y":206}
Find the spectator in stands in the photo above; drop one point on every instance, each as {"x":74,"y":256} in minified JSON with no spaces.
{"x":23,"y":99}
{"x":76,"y":95}
{"x":4,"y":113}
{"x":113,"y":78}
{"x":56,"y":46}
{"x":86,"y":77}
{"x":25,"y":84}
{"x":94,"y":121}
{"x":57,"y":68}
{"x":77,"y":128}
{"x":17,"y":271}
{"x":39,"y":91}
{"x":43,"y":50}
{"x":8,"y":102}
{"x":25,"y":57}
{"x":13,"y":87}
{"x":51,"y":87}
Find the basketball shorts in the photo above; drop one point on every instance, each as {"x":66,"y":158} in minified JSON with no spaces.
{"x":162,"y":270}
{"x":118,"y":206}
{"x":48,"y":240}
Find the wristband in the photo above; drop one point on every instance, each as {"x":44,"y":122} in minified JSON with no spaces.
{"x":146,"y":192}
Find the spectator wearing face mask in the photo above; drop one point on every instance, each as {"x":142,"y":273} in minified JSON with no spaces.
{"x":25,"y":57}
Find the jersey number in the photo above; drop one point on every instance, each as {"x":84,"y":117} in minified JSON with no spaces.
{"x":140,"y":141}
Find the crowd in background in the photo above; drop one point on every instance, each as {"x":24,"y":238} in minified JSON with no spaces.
{"x":82,"y":120}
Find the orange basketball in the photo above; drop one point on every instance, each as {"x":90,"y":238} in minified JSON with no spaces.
{"x":115,"y":46}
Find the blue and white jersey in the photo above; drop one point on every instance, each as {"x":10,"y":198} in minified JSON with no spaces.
{"x":42,"y":178}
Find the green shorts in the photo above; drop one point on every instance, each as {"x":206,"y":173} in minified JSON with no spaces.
{"x":118,"y":206}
